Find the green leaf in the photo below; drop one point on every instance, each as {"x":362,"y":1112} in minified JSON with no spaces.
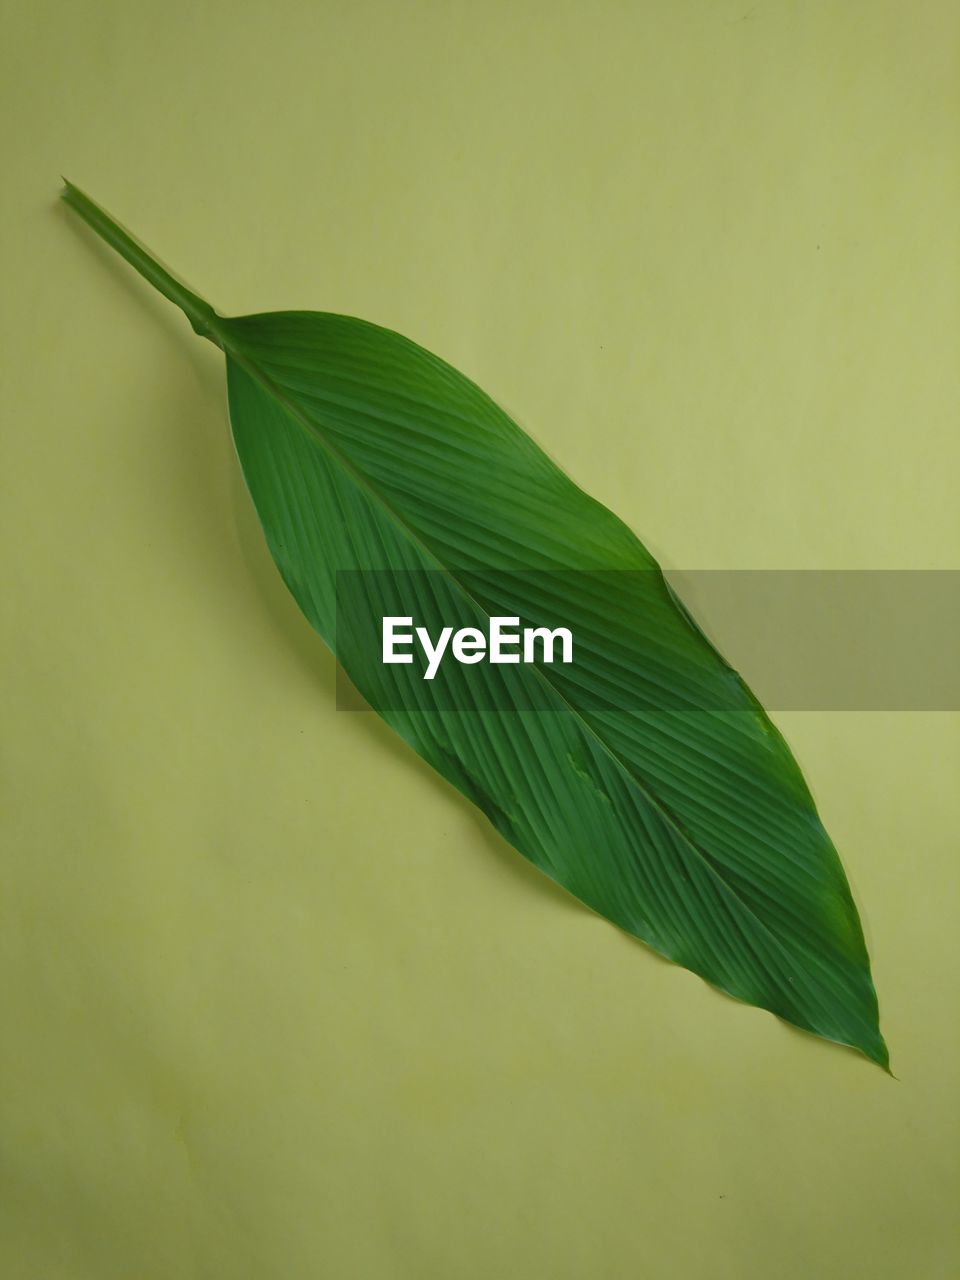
{"x":644,"y":777}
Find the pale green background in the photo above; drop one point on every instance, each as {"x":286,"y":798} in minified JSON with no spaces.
{"x":276,"y":1002}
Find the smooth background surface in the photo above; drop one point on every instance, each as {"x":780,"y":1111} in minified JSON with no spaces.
{"x":275,"y":1001}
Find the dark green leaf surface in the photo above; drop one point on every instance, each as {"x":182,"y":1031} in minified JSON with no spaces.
{"x":644,"y":778}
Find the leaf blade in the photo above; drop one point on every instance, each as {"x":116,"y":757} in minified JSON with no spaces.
{"x":682,"y":861}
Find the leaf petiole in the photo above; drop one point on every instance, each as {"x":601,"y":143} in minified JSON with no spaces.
{"x":203,"y":319}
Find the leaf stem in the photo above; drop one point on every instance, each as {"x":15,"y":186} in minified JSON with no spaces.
{"x":201,"y":315}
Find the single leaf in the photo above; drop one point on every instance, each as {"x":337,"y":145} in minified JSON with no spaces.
{"x":644,"y":777}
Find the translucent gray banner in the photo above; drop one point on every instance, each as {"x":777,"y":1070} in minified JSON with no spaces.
{"x":802,"y":640}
